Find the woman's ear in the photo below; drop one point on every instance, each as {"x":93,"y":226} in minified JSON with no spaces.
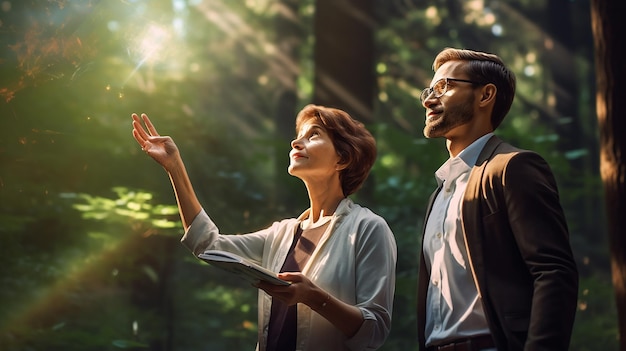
{"x":342,"y":162}
{"x":341,"y":166}
{"x":488,"y":94}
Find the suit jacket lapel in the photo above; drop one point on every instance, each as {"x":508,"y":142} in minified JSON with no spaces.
{"x":472,"y":215}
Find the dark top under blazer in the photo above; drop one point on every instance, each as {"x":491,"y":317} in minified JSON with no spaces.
{"x":519,"y":251}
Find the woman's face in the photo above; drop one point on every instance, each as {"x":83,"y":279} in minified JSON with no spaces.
{"x":313,"y":155}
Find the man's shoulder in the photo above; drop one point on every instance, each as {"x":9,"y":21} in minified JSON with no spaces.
{"x":497,"y":147}
{"x":498,"y":156}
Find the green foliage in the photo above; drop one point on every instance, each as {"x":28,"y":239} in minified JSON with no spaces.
{"x":595,"y":320}
{"x":128,"y":206}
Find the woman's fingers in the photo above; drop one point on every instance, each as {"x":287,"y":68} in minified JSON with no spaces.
{"x":138,"y":129}
{"x":146,"y":132}
{"x":293,"y":277}
{"x":281,"y":292}
{"x":140,"y":134}
{"x":138,"y":137}
{"x":149,"y":125}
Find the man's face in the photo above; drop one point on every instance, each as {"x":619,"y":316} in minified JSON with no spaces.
{"x":454,"y":108}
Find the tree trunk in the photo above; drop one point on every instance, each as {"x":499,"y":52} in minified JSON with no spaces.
{"x":574,"y":125}
{"x":608,"y":26}
{"x":344,"y":56}
{"x":285,"y":69}
{"x":344,"y":62}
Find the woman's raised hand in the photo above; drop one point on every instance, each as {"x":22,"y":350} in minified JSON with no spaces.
{"x":161,"y":148}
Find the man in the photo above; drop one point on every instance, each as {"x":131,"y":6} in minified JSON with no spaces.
{"x":496,"y":266}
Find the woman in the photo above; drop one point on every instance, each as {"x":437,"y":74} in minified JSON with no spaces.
{"x":339,"y":257}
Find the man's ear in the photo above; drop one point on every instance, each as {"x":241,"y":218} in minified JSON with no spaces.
{"x":488,"y":94}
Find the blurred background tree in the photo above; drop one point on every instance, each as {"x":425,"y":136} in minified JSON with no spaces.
{"x":606,"y":22}
{"x":89,"y":231}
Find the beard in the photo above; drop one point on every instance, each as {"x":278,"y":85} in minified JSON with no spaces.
{"x":449,"y":119}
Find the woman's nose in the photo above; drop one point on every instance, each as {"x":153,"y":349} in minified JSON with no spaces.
{"x":296,"y":143}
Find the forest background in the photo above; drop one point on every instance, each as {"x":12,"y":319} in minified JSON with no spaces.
{"x":90,"y":257}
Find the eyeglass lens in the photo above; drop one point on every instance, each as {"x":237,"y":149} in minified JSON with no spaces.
{"x":439,"y":88}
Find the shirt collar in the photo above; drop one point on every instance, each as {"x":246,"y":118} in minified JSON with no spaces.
{"x":465,"y":159}
{"x":344,"y":207}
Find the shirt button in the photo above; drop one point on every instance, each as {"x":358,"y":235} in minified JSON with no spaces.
{"x":435,"y":282}
{"x":439,"y":235}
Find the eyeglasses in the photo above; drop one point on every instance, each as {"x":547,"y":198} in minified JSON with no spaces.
{"x":441,"y":86}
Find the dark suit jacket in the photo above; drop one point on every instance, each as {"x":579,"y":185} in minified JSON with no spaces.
{"x":519,"y":250}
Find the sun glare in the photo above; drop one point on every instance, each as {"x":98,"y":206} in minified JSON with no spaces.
{"x":152,"y":47}
{"x":151,"y":43}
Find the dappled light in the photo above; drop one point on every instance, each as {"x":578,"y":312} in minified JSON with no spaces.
{"x":94,"y":269}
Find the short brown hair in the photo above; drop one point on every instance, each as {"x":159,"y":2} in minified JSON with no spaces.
{"x":354,"y":143}
{"x":485,"y":68}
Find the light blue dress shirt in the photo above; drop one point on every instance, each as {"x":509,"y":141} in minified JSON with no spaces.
{"x":454,"y":309}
